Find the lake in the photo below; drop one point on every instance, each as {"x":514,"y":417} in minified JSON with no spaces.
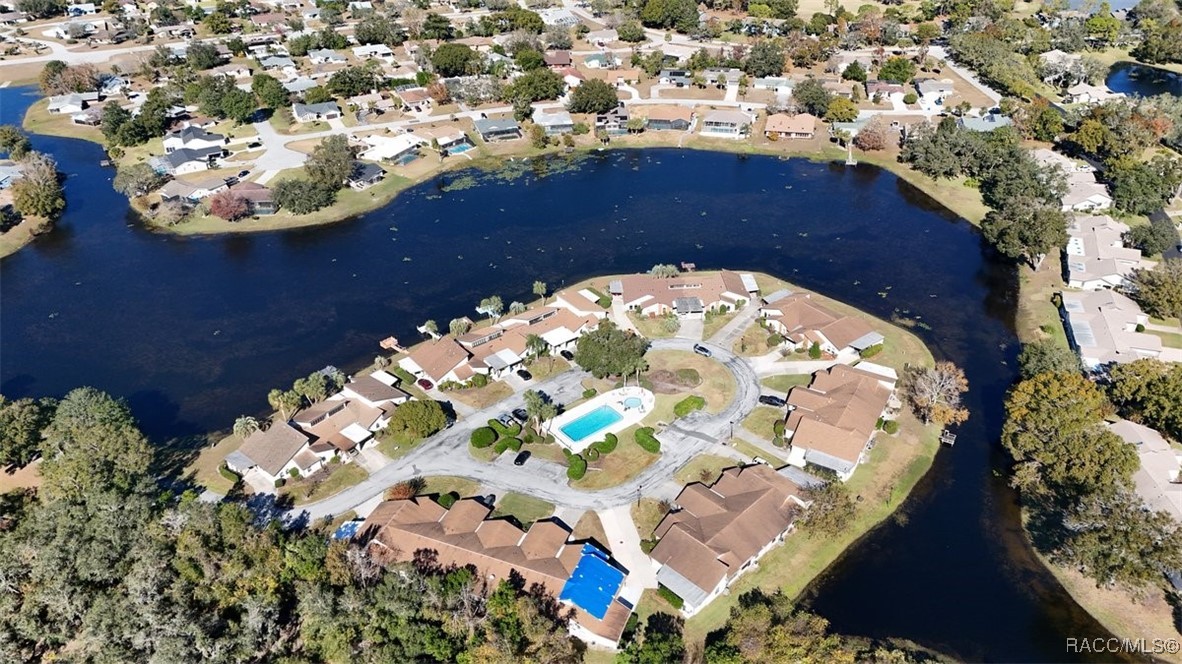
{"x":195,"y":331}
{"x":1141,"y":80}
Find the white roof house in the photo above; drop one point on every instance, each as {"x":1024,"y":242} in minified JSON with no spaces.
{"x":370,"y":51}
{"x":1159,"y":479}
{"x":389,"y":148}
{"x":1096,"y":255}
{"x":1084,"y":93}
{"x":1102,"y":328}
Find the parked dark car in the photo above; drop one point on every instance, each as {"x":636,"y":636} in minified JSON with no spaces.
{"x":521,"y":458}
{"x":770,"y":400}
{"x":702,"y":350}
{"x":521,"y":415}
{"x":524,"y":375}
{"x":243,"y":174}
{"x":425,"y":384}
{"x":567,"y":355}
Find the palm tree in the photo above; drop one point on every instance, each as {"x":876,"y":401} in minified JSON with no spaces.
{"x":536,"y":347}
{"x":285,"y":402}
{"x":546,"y":414}
{"x":540,"y":290}
{"x":459,"y":326}
{"x":534,"y":402}
{"x":516,"y":307}
{"x":431,"y":328}
{"x":244,"y":426}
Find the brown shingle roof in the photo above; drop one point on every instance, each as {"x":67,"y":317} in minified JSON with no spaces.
{"x":436,"y":358}
{"x":271,"y":449}
{"x":720,"y":527}
{"x":837,"y":413}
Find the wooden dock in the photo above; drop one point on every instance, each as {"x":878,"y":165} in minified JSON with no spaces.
{"x":947,"y":438}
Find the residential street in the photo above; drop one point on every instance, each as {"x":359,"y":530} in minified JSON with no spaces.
{"x":446,"y":453}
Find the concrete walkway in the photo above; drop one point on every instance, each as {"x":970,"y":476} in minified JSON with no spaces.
{"x":619,"y":316}
{"x":624,"y":542}
{"x":730,"y":333}
{"x":691,"y":329}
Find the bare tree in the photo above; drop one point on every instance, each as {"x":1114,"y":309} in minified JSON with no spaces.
{"x":935,"y":393}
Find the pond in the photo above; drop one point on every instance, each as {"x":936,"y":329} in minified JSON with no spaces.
{"x":195,"y":331}
{"x":1133,"y":79}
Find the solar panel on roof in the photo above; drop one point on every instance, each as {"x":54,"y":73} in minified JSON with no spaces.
{"x":1083,"y":334}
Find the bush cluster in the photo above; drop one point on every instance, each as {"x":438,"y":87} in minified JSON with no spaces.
{"x":483,"y":437}
{"x":589,"y":392}
{"x":503,"y":430}
{"x":670,"y":597}
{"x":688,"y":405}
{"x":507,"y":444}
{"x":577,"y":466}
{"x":647,"y":441}
{"x":871,"y":351}
{"x":891,"y":427}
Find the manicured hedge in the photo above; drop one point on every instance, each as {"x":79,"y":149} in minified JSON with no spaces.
{"x":647,"y":441}
{"x":815,"y":351}
{"x":577,"y":467}
{"x":505,"y":430}
{"x":778,"y":428}
{"x":227,"y":473}
{"x":447,"y":499}
{"x":507,"y":444}
{"x":592,"y":453}
{"x":589,"y":392}
{"x":608,"y":444}
{"x":688,"y":405}
{"x":483,"y":437}
{"x":403,"y":375}
{"x":891,"y":427}
{"x":871,"y":351}
{"x":279,"y":482}
{"x":670,"y":597}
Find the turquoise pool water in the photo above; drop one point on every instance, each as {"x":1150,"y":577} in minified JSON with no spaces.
{"x":591,"y":423}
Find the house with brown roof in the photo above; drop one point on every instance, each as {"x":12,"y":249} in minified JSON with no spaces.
{"x":579,"y":574}
{"x":832,"y":422}
{"x":557,"y":59}
{"x":782,"y":125}
{"x":341,"y":427}
{"x":660,"y":117}
{"x":687,"y":296}
{"x":581,"y":302}
{"x":716,"y":533}
{"x":803,"y":321}
{"x":272,"y":453}
{"x":440,"y":360}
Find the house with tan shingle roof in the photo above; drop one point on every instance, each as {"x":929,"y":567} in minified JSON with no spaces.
{"x":273,"y":453}
{"x":803,"y":321}
{"x":689,"y":295}
{"x":719,"y":532}
{"x":581,"y":575}
{"x":782,"y":125}
{"x":831,"y":422}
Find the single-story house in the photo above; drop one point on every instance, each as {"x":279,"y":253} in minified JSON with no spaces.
{"x":492,"y":129}
{"x":91,"y":117}
{"x":299,"y":85}
{"x":831,"y":422}
{"x":614,"y":122}
{"x":680,"y":77}
{"x":389,"y":148}
{"x":726,"y":124}
{"x":989,"y":122}
{"x":193,"y":138}
{"x":686,"y":296}
{"x":365,"y":175}
{"x":1097,"y":256}
{"x":232,"y":71}
{"x":554,"y":122}
{"x":557,"y":59}
{"x":273,"y":453}
{"x":802,"y":321}
{"x":887,"y":90}
{"x":660,"y":117}
{"x":277,"y":62}
{"x":783,"y":125}
{"x":1159,"y":479}
{"x":1085,"y":93}
{"x":311,"y":112}
{"x":1102,"y":328}
{"x":258,"y":198}
{"x":324,"y":56}
{"x":600,"y":60}
{"x":934,"y":91}
{"x":777,"y":84}
{"x":449,"y":138}
{"x":72,"y":103}
{"x":718,"y":532}
{"x":374,"y":51}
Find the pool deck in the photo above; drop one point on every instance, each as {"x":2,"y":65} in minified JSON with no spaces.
{"x":615,"y":399}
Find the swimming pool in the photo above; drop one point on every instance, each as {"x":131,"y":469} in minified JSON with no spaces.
{"x":632,"y":402}
{"x":591,"y":423}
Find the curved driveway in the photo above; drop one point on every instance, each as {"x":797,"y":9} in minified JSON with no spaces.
{"x":446,"y":453}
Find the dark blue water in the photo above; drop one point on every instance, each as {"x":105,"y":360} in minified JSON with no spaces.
{"x":194,"y":331}
{"x":1143,"y":81}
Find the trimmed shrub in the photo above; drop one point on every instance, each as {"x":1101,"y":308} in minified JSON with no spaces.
{"x":647,"y":546}
{"x":483,"y":437}
{"x":514,"y":444}
{"x":815,"y":351}
{"x":294,"y":472}
{"x":910,"y":98}
{"x":227,"y":473}
{"x":577,"y":467}
{"x":1139,"y":328}
{"x":592,"y":453}
{"x":589,"y":392}
{"x":279,"y":482}
{"x":647,"y":441}
{"x":529,"y":438}
{"x":778,"y":441}
{"x":871,"y":351}
{"x":688,"y":405}
{"x":447,"y":499}
{"x":778,"y":428}
{"x":479,"y":380}
{"x":774,"y":340}
{"x":501,"y":446}
{"x":891,"y":427}
{"x":878,"y":424}
{"x":608,"y":444}
{"x":503,"y":430}
{"x":670,"y":597}
{"x":403,"y":375}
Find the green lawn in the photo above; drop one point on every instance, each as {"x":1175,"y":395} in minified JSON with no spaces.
{"x":526,"y":509}
{"x":882,"y":483}
{"x":1169,"y":339}
{"x":395,"y":447}
{"x":340,"y":477}
{"x":441,"y":484}
{"x":785,"y":382}
{"x":762,"y":419}
{"x":618,"y":466}
{"x":715,"y":322}
{"x":204,"y":469}
{"x":653,"y":328}
{"x":646,"y":514}
{"x":705,"y":468}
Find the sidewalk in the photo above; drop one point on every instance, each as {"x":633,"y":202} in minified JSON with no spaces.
{"x":624,"y":542}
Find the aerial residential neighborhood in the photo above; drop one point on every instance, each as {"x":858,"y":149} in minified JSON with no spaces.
{"x":330,"y":332}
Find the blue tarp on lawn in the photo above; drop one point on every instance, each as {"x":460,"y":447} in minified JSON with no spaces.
{"x":594,"y":583}
{"x":347,"y":530}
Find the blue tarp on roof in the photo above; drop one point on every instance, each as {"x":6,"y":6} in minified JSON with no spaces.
{"x":594,"y":583}
{"x":347,"y":530}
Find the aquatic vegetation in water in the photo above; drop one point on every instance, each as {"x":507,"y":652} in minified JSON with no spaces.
{"x":460,"y":183}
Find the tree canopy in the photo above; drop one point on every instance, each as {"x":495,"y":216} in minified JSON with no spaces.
{"x":593,"y":96}
{"x":610,"y":351}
